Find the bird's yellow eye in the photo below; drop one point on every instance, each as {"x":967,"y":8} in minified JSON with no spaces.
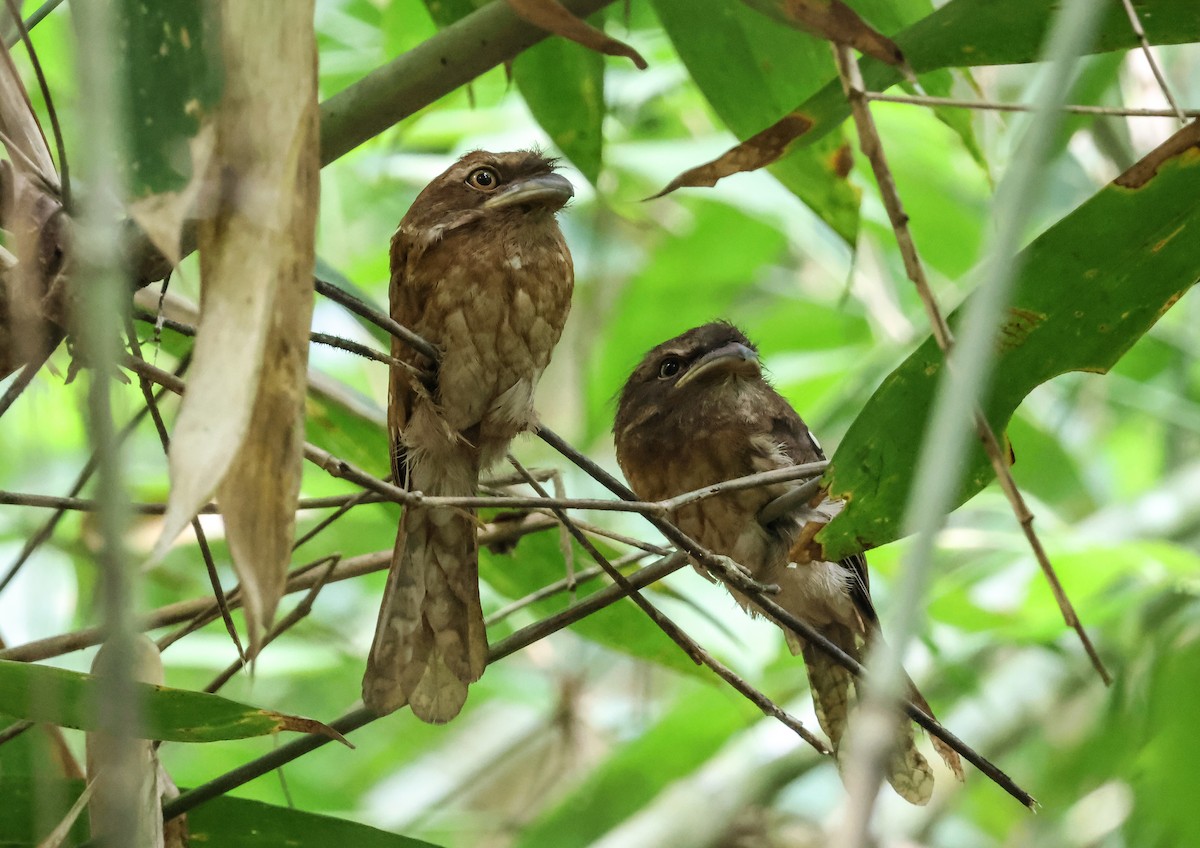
{"x":484,"y":179}
{"x":670,"y":366}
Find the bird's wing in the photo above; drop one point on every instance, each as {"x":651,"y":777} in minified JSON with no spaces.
{"x":407,"y":302}
{"x":789,"y":429}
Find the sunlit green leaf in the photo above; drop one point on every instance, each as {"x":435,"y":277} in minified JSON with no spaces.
{"x":172,"y":81}
{"x":1087,"y":290}
{"x":55,"y":696}
{"x":563,"y":84}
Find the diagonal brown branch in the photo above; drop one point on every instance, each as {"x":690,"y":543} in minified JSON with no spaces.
{"x":164,"y":439}
{"x":674,"y":632}
{"x":872,"y":148}
{"x":1136,"y":23}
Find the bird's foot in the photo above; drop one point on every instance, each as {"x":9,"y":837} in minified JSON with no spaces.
{"x":737,"y":576}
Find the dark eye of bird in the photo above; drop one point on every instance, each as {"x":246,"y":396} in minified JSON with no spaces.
{"x":671,"y":366}
{"x":484,"y":179}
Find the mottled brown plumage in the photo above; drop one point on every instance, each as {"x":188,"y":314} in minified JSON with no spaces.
{"x":480,"y":270}
{"x":697,"y":411}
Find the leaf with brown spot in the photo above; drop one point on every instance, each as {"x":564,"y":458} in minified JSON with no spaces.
{"x":1086,"y":290}
{"x":240,"y":428}
{"x":756,"y":152}
{"x":554,"y":17}
{"x":834,"y":21}
{"x":173,"y":82}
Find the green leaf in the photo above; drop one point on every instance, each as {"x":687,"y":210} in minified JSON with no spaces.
{"x":169,"y":54}
{"x":50,"y":695}
{"x":31,"y":807}
{"x":563,"y":84}
{"x":1087,"y":289}
{"x":238,"y":823}
{"x":752,"y":70}
{"x":972,"y":33}
{"x":349,"y":426}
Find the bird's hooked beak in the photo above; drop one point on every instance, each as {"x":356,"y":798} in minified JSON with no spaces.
{"x":729,"y":360}
{"x":549,"y":190}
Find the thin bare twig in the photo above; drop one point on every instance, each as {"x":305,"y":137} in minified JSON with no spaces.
{"x":160,"y":321}
{"x":75,"y":504}
{"x":22,"y":381}
{"x":298,"y":613}
{"x":89,"y":468}
{"x":674,"y":632}
{"x":198,"y":612}
{"x":164,"y":439}
{"x":872,"y":148}
{"x":552,"y":589}
{"x":348,"y":504}
{"x":993,"y":106}
{"x":785,"y":619}
{"x":361,"y":716}
{"x":384,"y":322}
{"x":1136,"y":23}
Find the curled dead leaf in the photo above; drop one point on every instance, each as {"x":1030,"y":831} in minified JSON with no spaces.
{"x":32,"y":293}
{"x":307,"y":725}
{"x":240,"y":429}
{"x":554,"y":17}
{"x":756,"y":152}
{"x":833,"y":21}
{"x":806,"y":549}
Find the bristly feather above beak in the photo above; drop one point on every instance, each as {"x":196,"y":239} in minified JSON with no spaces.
{"x":734,"y":358}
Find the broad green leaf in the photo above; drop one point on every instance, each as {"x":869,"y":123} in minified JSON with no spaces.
{"x":563,"y":84}
{"x":347,"y":425}
{"x":227,"y":822}
{"x":239,"y":823}
{"x":50,"y":695}
{"x":1087,"y":289}
{"x":752,"y":70}
{"x":963,"y":33}
{"x":170,"y":61}
{"x":973,"y":33}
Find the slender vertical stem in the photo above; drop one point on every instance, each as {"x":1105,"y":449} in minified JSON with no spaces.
{"x":104,"y":293}
{"x":946,"y":437}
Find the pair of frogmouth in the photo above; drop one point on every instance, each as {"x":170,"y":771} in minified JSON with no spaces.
{"x":480,"y":269}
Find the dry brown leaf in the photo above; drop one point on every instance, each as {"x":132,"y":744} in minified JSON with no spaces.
{"x":31,"y":210}
{"x":161,"y":216}
{"x":554,"y":17}
{"x":833,"y":21}
{"x":756,"y":152}
{"x":240,"y":428}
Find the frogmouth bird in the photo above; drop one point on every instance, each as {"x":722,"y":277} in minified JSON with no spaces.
{"x":698,"y":411}
{"x":480,"y":269}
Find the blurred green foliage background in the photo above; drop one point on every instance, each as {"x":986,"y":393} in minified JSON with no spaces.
{"x":606,"y":735}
